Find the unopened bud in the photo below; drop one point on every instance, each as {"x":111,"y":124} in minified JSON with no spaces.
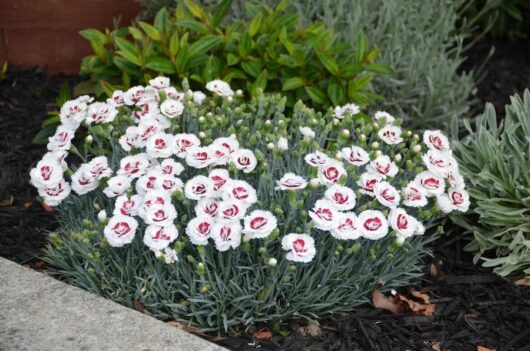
{"x":400,"y":240}
{"x":102,"y":216}
{"x":398,"y":157}
{"x":239,"y":92}
{"x":346,"y":132}
{"x":202,"y":135}
{"x":89,"y":139}
{"x":375,"y":145}
{"x":202,"y":119}
{"x":314,"y":182}
{"x":273,"y":262}
{"x":416,"y":148}
{"x":270,"y":146}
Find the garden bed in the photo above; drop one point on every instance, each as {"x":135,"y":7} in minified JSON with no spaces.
{"x":473,"y":306}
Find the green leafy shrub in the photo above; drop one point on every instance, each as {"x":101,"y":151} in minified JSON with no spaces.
{"x":193,"y":261}
{"x":271,"y":51}
{"x":502,"y":18}
{"x":495,"y":159}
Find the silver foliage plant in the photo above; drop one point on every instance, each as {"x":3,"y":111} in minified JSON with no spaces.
{"x":224,"y":214}
{"x":495,"y":157}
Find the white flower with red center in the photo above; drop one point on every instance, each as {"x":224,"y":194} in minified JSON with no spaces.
{"x":200,"y":157}
{"x":158,"y":238}
{"x":117,"y":98}
{"x":355,"y":155}
{"x":57,"y":156}
{"x":414,"y":195}
{"x":149,"y":94}
{"x":130,"y":139}
{"x":331,"y":172}
{"x":127,"y":206}
{"x":171,"y":167}
{"x":172,"y":108}
{"x":404,"y":224}
{"x":241,"y":191}
{"x":199,"y":230}
{"x":368,"y":181}
{"x":152,"y":198}
{"x":120,"y":230}
{"x":436,"y":140}
{"x":387,"y":116}
{"x":259,"y":224}
{"x":372,"y":224}
{"x":349,"y":109}
{"x":99,"y":167}
{"x":169,"y":183}
{"x":83,"y":181}
{"x":146,"y":112}
{"x":390,"y":135}
{"x":386,"y":194}
{"x":455,"y":200}
{"x":430,"y":183}
{"x":160,"y":145}
{"x":47,"y":173}
{"x":455,"y":178}
{"x":101,"y":112}
{"x":316,"y":159}
{"x":53,"y":195}
{"x":148,"y":182}
{"x":231,"y":210}
{"x":133,"y":95}
{"x":117,"y":186}
{"x":220,"y":88}
{"x":207,"y":207}
{"x":184,"y":142}
{"x":159,"y":83}
{"x":220,"y":178}
{"x":226,"y":235}
{"x":384,"y":166}
{"x":348,"y":227}
{"x":307,"y":133}
{"x":290,"y":181}
{"x":229,"y":143}
{"x":300,"y":247}
{"x":61,"y":140}
{"x":198,"y":97}
{"x":147,"y":129}
{"x":342,"y":198}
{"x":72,"y":113}
{"x":221,"y":156}
{"x":161,"y":215}
{"x":437,"y":162}
{"x":134,"y":166}
{"x":244,"y":160}
{"x":172,"y":93}
{"x":324,"y":215}
{"x":199,"y":187}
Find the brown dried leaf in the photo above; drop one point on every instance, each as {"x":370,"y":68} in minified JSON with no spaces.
{"x":436,"y":346}
{"x":7,"y":202}
{"x":483,"y":348}
{"x":524,"y":281}
{"x":262,"y":335}
{"x":424,"y":309}
{"x":140,"y":307}
{"x":47,"y":208}
{"x":420,"y":296}
{"x":388,"y":303}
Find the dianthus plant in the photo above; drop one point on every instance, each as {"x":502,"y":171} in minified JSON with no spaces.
{"x":250,"y":216}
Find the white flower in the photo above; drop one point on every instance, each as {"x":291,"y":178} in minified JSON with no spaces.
{"x":455,"y":199}
{"x":159,"y":82}
{"x":259,"y":224}
{"x":129,"y":139}
{"x":438,"y":162}
{"x":355,"y":155}
{"x":161,"y":215}
{"x":387,"y":116}
{"x":283,"y":144}
{"x":383,"y":166}
{"x":331,"y":172}
{"x":149,"y":111}
{"x":207,"y":207}
{"x":127,"y":206}
{"x":172,"y":108}
{"x":436,"y":140}
{"x":117,"y":186}
{"x":61,"y":140}
{"x":72,"y":113}
{"x":455,"y":178}
{"x":200,"y":156}
{"x":341,"y":111}
{"x":368,"y":181}
{"x":169,"y":183}
{"x":342,"y":198}
{"x":101,"y":112}
{"x":347,"y":228}
{"x":324,"y":215}
{"x":301,"y":247}
{"x":171,"y":167}
{"x":231,"y":210}
{"x":226,"y":235}
{"x":404,"y":224}
{"x":244,"y":160}
{"x":372,"y":224}
{"x":83,"y":181}
{"x":307,"y":132}
{"x":420,"y":229}
{"x":117,"y":98}
{"x":198,"y":187}
{"x":139,"y":95}
{"x":184,"y":142}
{"x":390,"y":135}
{"x":241,"y":191}
{"x":316,"y":159}
{"x":198,"y":97}
{"x":47,"y":173}
{"x":120,"y":230}
{"x":56,"y":156}
{"x":134,"y":166}
{"x":220,"y":88}
{"x":158,"y":238}
{"x":430,"y":183}
{"x":99,"y":168}
{"x":291,"y":181}
{"x":160,"y":145}
{"x":170,"y":256}
{"x":386,"y":194}
{"x":414,"y":195}
{"x":172,"y":93}
{"x":220,"y":178}
{"x":53,"y":195}
{"x":148,"y":181}
{"x":230,"y":144}
{"x":199,"y":229}
{"x":152,"y":198}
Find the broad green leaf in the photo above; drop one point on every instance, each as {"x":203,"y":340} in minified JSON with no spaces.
{"x":336,"y":93}
{"x":128,"y":51}
{"x":261,"y":82}
{"x":293,"y":83}
{"x":329,"y":63}
{"x":162,"y":20}
{"x":379,"y":68}
{"x":205,"y":44}
{"x":196,"y":10}
{"x":252,"y":67}
{"x":136,"y":33}
{"x":361,"y":46}
{"x":127,"y":66}
{"x":348,"y":71}
{"x":359,"y":83}
{"x":255,"y":24}
{"x":220,"y":12}
{"x":245,"y":45}
{"x":174,"y":45}
{"x":151,"y":31}
{"x":97,"y":40}
{"x":193,"y":25}
{"x":107,"y":87}
{"x":316,"y":94}
{"x":161,"y":64}
{"x":231,"y":59}
{"x":46,"y":132}
{"x":233,"y":73}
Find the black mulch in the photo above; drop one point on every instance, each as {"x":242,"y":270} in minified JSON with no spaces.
{"x":25,"y":98}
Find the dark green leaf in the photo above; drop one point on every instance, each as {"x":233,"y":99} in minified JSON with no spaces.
{"x":220,"y":12}
{"x":151,"y":31}
{"x":293,"y":83}
{"x":361,"y":46}
{"x":329,"y":63}
{"x":252,"y":67}
{"x":162,"y":20}
{"x":336,"y":93}
{"x":193,"y":25}
{"x":379,"y":68}
{"x":161,"y":64}
{"x":231,"y":59}
{"x":128,"y":51}
{"x":316,"y":94}
{"x":205,"y":44}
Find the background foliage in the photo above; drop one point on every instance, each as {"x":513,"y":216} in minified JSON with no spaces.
{"x":507,"y":18}
{"x":494,"y":159}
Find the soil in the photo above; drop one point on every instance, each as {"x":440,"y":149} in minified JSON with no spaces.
{"x":473,"y":306}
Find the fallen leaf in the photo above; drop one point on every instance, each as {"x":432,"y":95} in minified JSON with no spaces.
{"x":388,"y":303}
{"x":424,"y":309}
{"x":140,"y":307}
{"x":482,"y":348}
{"x":399,"y":304}
{"x":421,"y":296}
{"x":262,"y":335}
{"x":436,"y":346}
{"x":47,"y":208}
{"x":524,"y":281}
{"x":7,"y":202}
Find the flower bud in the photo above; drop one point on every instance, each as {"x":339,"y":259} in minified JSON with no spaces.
{"x":89,"y":139}
{"x":416,"y":148}
{"x":239,"y":92}
{"x":230,"y":99}
{"x":375,"y":145}
{"x":262,"y":250}
{"x":102,"y":216}
{"x":292,"y":268}
{"x":375,"y":125}
{"x":202,"y":119}
{"x":314,"y":182}
{"x":158,"y":254}
{"x":362,"y":137}
{"x":96,"y":206}
{"x":398,"y":157}
{"x":400,"y":240}
{"x":202,"y":135}
{"x":270,"y":146}
{"x":416,"y":137}
{"x":345,"y":133}
{"x":379,"y":153}
{"x":246,"y":238}
{"x":200,"y":268}
{"x":209,"y":115}
{"x":273,"y":262}
{"x":338,"y":155}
